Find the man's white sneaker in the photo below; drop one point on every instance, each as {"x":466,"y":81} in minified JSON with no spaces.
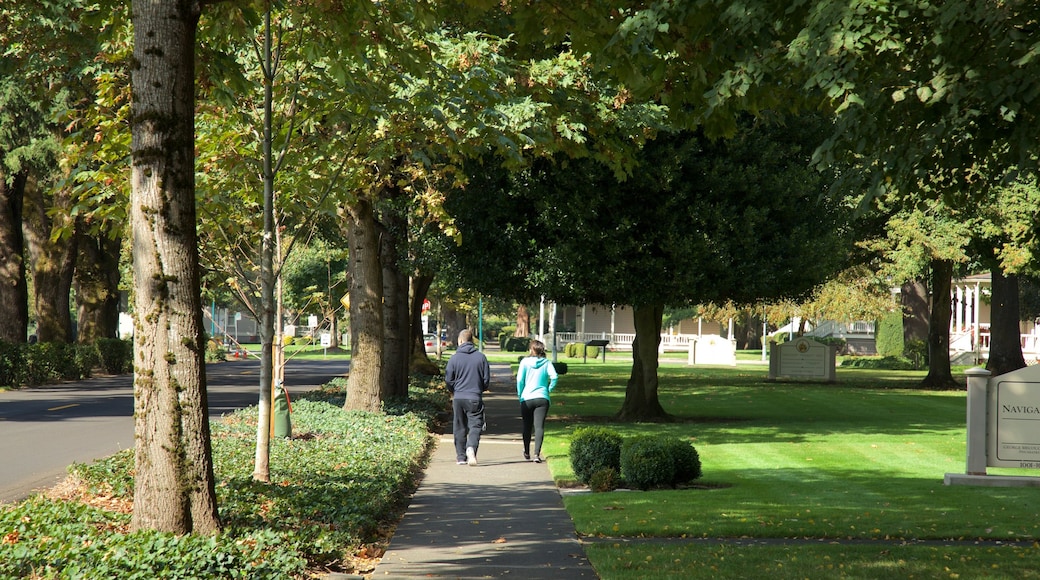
{"x":471,"y":456}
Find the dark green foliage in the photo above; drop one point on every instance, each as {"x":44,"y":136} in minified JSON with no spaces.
{"x":338,"y":483}
{"x":836,"y":342}
{"x":698,"y":220}
{"x":889,"y":336}
{"x":52,"y":361}
{"x":561,"y":368}
{"x":646,"y":463}
{"x":606,"y":479}
{"x":12,"y":364}
{"x":515,"y":343}
{"x":594,"y":448}
{"x":686,"y":460}
{"x":73,"y":540}
{"x":916,"y":351}
{"x":117,"y":355}
{"x":892,"y":363}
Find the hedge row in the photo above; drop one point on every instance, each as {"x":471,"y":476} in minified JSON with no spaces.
{"x":514,"y":343}
{"x":574,"y":350}
{"x":42,"y":363}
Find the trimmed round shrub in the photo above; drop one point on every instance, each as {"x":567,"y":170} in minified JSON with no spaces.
{"x":686,"y":460}
{"x":571,"y":350}
{"x":606,"y":479}
{"x":593,"y":449}
{"x":646,"y":463}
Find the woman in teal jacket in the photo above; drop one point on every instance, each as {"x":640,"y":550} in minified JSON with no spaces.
{"x":535,"y":379}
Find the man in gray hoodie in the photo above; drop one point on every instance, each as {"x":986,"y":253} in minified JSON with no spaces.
{"x":468,"y":375}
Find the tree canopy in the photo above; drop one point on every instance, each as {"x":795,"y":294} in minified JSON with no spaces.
{"x":699,"y":221}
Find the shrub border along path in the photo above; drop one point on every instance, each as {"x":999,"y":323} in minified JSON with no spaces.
{"x":338,"y":487}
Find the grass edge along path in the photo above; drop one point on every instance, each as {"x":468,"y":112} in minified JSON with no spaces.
{"x":821,"y":480}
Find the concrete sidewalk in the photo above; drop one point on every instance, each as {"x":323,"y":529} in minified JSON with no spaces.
{"x":500,"y":518}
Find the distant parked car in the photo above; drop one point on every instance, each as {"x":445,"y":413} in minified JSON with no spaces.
{"x":430,"y":342}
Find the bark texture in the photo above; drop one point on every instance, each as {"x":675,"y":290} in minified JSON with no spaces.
{"x":396,"y":328}
{"x":1005,"y":346}
{"x":940,"y":376}
{"x":173,"y":483}
{"x":641,"y":401}
{"x":454,"y":322}
{"x":523,"y":321}
{"x":52,"y":260}
{"x":913,"y":297}
{"x":366,"y":310}
{"x":420,"y":361}
{"x":97,"y":287}
{"x":14,"y":291}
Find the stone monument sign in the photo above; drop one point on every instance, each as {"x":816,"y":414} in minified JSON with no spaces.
{"x":802,"y":358}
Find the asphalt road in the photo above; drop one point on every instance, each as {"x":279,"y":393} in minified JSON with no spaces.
{"x":45,"y":429}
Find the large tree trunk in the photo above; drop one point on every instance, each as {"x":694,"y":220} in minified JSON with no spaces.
{"x":641,"y":402}
{"x":939,"y":374}
{"x":913,"y":297}
{"x":420,"y":361}
{"x":397,"y":334}
{"x":52,"y":261}
{"x":454,"y":322}
{"x":1005,"y":346}
{"x":173,"y":482}
{"x":366,"y":310}
{"x":14,"y":292}
{"x":97,"y":287}
{"x":523,"y":321}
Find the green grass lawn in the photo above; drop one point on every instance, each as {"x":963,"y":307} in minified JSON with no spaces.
{"x":859,"y":461}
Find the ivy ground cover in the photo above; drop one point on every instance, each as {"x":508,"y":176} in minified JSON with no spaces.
{"x":337,"y":489}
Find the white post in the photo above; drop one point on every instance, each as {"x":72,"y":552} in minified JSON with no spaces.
{"x":975,"y":317}
{"x":978,"y":380}
{"x":765,"y":341}
{"x":612,"y":323}
{"x":960,"y":309}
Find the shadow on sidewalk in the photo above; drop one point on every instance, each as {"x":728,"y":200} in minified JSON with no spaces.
{"x":502,"y":517}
